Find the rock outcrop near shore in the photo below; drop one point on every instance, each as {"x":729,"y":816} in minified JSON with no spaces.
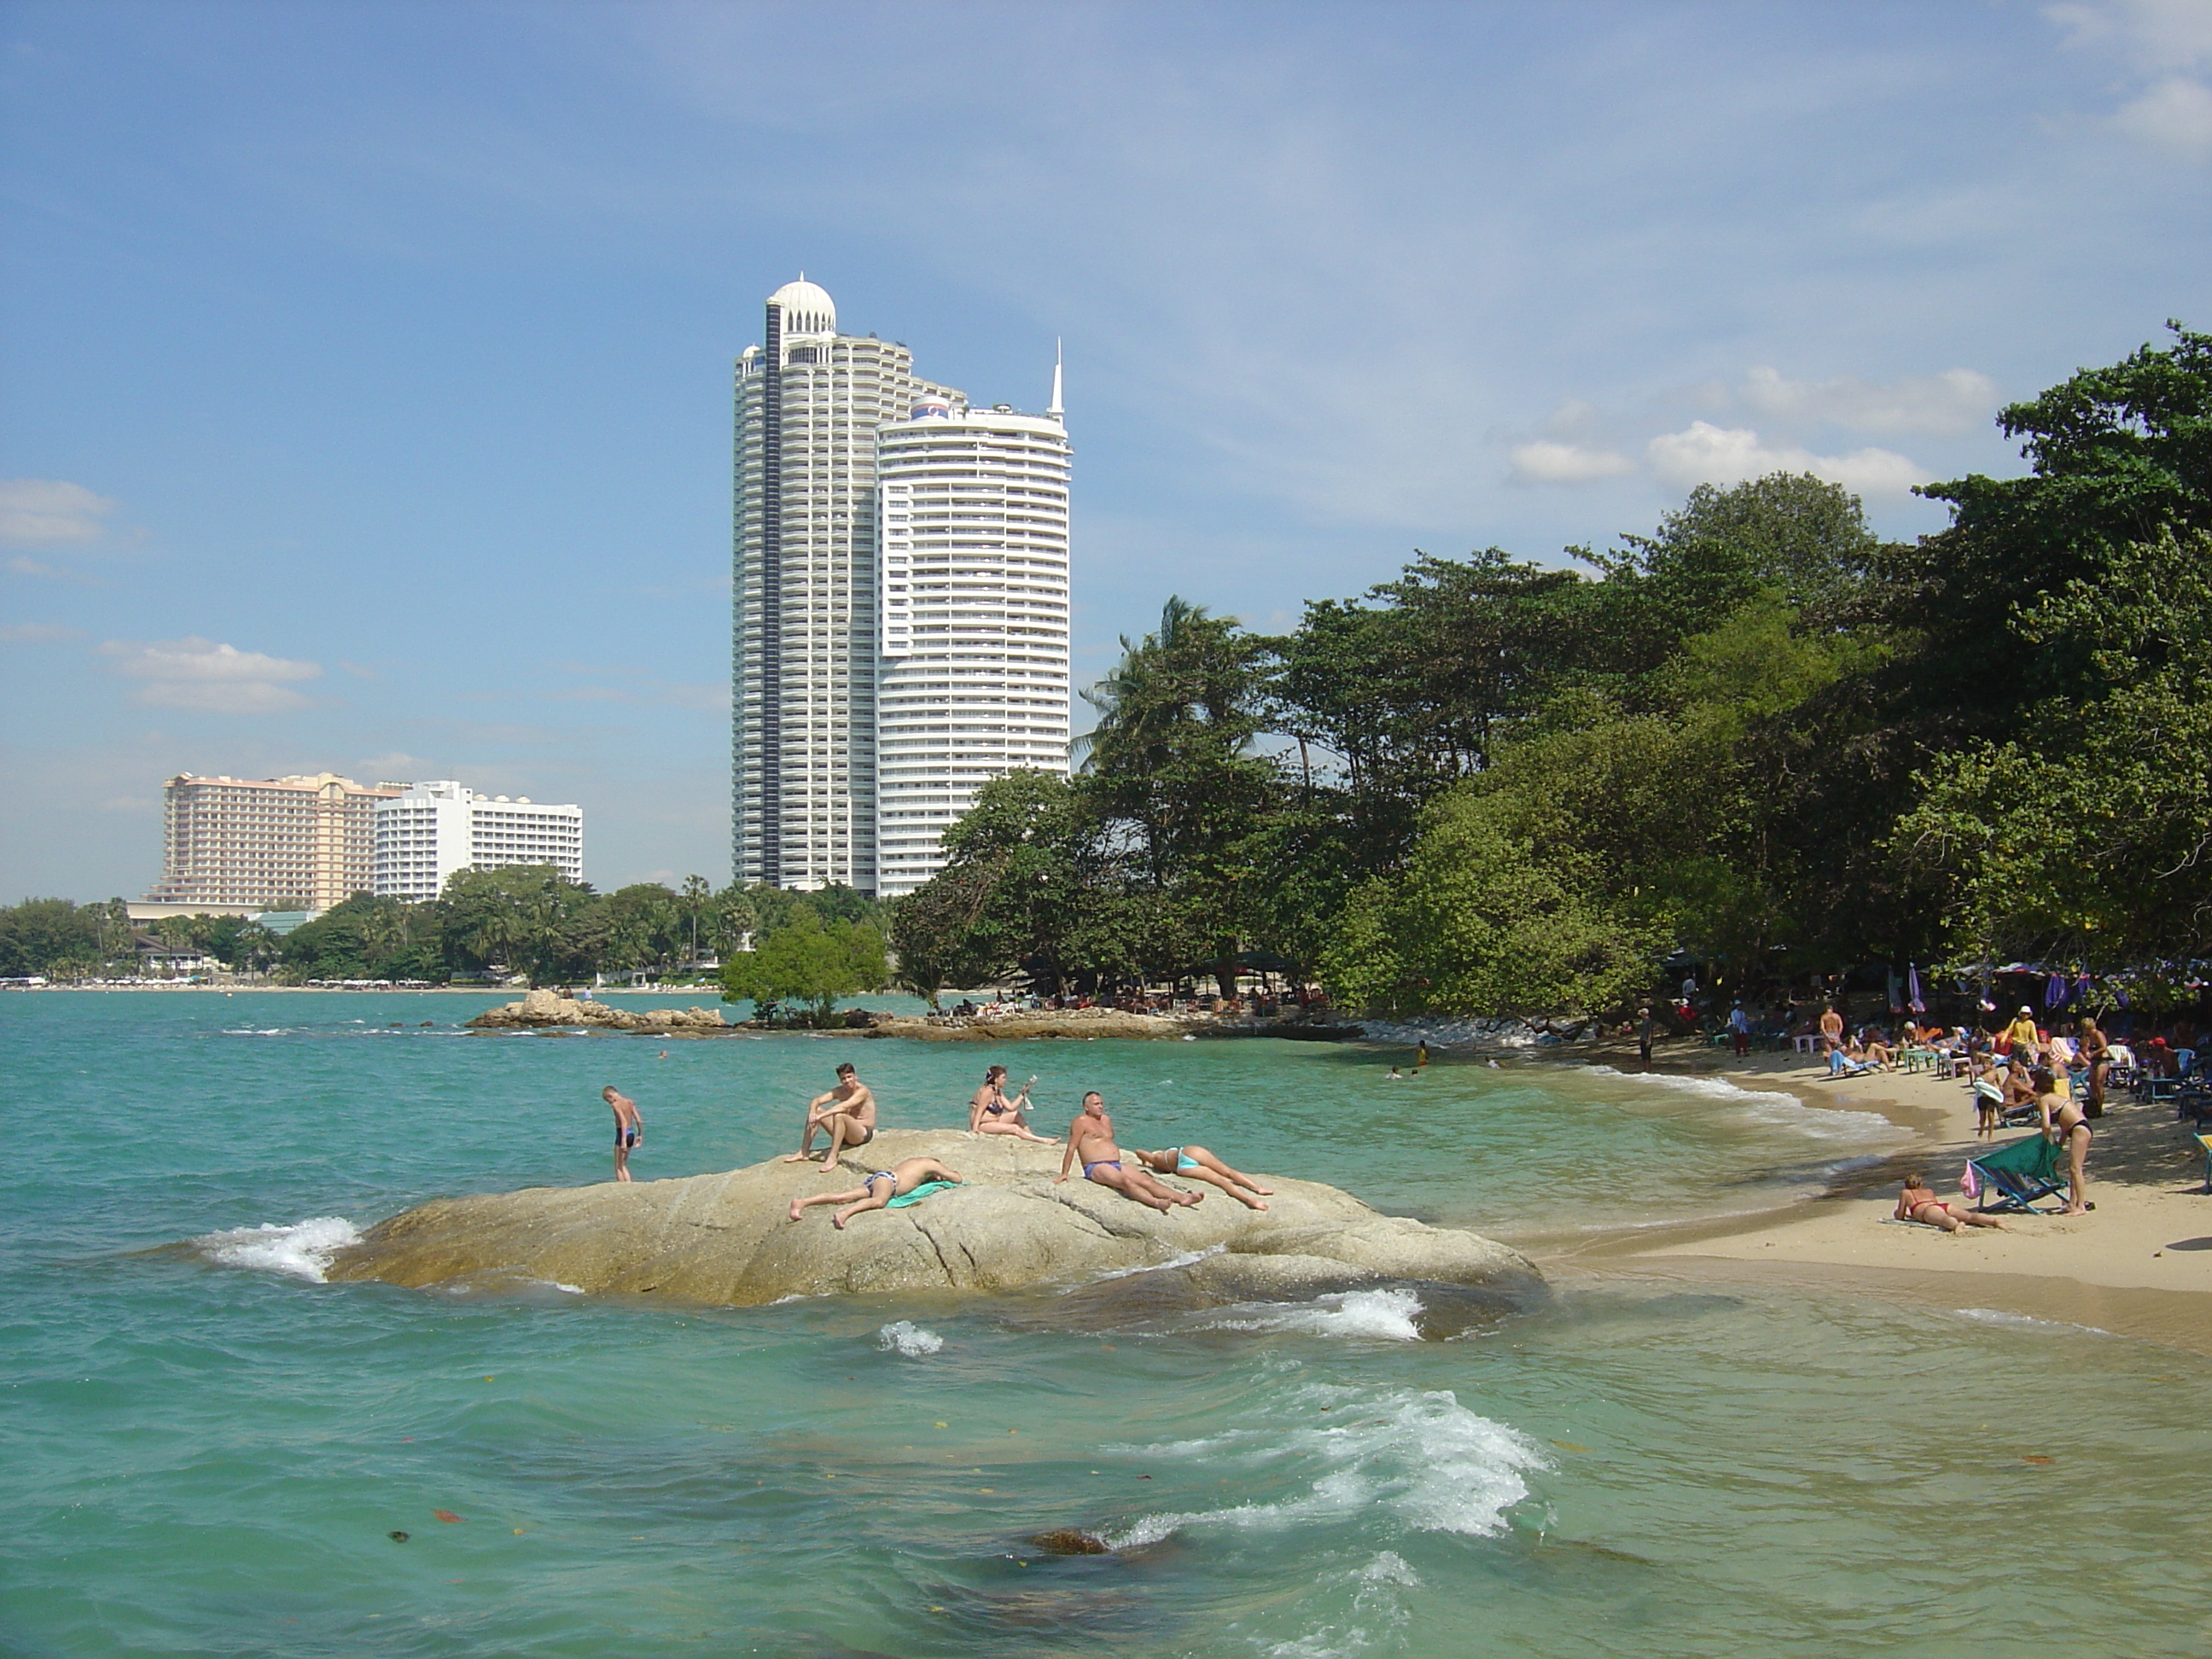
{"x":1073,"y":1022}
{"x":545,"y":1010}
{"x":725,"y":1238}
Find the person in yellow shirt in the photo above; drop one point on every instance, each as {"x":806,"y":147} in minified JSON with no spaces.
{"x":2022,"y":1033}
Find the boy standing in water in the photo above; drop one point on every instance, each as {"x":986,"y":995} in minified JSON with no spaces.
{"x":629,"y":1129}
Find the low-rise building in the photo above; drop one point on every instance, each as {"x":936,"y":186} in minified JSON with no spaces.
{"x":429,"y":831}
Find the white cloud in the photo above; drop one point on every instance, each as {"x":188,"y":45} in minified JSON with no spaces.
{"x":2174,"y":114}
{"x":1705,"y":453}
{"x":1548,"y":462}
{"x":2157,"y":36}
{"x":1956,"y":401}
{"x":217,"y":680}
{"x":38,"y":632}
{"x":49,"y":510}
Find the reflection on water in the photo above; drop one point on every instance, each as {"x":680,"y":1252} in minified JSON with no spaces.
{"x":210,"y":1450}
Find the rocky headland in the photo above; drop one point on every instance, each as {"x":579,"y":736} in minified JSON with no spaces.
{"x":725,"y":1238}
{"x":549,"y":1010}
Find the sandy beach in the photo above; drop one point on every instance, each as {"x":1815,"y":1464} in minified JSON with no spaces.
{"x":2139,"y":1265}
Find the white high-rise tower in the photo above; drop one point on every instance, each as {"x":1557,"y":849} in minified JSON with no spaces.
{"x":899,"y":604}
{"x":803,"y":622}
{"x":973,"y":512}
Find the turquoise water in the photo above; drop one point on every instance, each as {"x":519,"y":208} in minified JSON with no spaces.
{"x":209,"y":1458}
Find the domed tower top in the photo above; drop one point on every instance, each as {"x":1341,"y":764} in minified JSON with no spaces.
{"x":807,"y":309}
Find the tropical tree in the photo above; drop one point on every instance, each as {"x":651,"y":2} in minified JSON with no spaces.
{"x":807,"y":961}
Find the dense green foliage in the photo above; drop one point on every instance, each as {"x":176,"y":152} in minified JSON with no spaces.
{"x":1759,"y":735}
{"x":807,"y":960}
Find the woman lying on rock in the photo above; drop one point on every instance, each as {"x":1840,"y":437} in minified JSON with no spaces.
{"x":1196,"y":1164}
{"x":903,"y":1180}
{"x":990,"y":1113}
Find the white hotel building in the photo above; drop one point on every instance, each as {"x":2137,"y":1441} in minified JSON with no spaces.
{"x":973,"y":509}
{"x":881,"y":671}
{"x":430,"y":830}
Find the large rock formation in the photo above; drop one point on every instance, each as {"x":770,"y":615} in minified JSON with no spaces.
{"x":725,"y":1238}
{"x":542,"y":1010}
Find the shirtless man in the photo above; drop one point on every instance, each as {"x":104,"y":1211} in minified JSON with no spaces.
{"x":2063,"y":1121}
{"x":1832,"y":1029}
{"x":2092,"y":1049}
{"x":990,"y":1113}
{"x":629,"y":1129}
{"x":847,"y":1115}
{"x":1196,"y":1164}
{"x":1916,"y":1203}
{"x":1091,"y":1138}
{"x":878,"y":1189}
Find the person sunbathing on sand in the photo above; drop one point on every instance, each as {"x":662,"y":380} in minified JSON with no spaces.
{"x":990,"y":1113}
{"x":880,"y":1188}
{"x":1091,"y":1138}
{"x":1916,"y":1203}
{"x":1196,"y":1164}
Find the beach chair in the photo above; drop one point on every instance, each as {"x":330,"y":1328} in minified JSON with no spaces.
{"x":2017,"y":1175}
{"x":2205,"y":1141}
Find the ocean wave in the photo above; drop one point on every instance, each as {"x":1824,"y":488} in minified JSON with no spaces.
{"x":1384,"y":1316}
{"x":1376,"y":1609}
{"x":302,"y":1250}
{"x":1186,"y":1259}
{"x":1771,"y":1106}
{"x":1421,"y":1458}
{"x":903,"y":1336}
{"x":2026,"y":1322}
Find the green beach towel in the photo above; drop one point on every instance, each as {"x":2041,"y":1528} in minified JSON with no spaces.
{"x":921,"y":1192}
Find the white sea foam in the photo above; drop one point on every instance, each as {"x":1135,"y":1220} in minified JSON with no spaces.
{"x":1185,"y":1259}
{"x":1771,"y":1106}
{"x":303,"y":1249}
{"x":1376,"y":1608}
{"x":1423,"y":1458}
{"x":905,"y":1337}
{"x":1373,"y":1315}
{"x":2025,"y":1322}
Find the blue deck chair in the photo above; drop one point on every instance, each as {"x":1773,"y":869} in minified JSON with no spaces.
{"x":2018,"y":1175}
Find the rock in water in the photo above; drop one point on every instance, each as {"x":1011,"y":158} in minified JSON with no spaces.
{"x":725,"y":1238}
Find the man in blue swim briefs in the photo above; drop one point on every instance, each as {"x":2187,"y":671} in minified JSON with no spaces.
{"x":1091,"y":1138}
{"x":880,"y":1188}
{"x":629,"y":1129}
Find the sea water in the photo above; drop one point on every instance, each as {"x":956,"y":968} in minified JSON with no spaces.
{"x":210,"y":1450}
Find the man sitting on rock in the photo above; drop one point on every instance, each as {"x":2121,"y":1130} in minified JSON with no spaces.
{"x":881,"y":1188}
{"x":847,"y":1115}
{"x":1091,"y":1138}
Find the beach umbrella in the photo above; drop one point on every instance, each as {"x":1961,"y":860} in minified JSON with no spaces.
{"x":2055,"y":992}
{"x":1912,"y":989}
{"x":2083,"y":988}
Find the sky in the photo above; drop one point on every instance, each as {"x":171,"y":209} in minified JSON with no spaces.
{"x":364,"y":368}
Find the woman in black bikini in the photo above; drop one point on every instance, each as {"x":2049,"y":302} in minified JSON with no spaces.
{"x":2065,"y":1122}
{"x":990,"y":1113}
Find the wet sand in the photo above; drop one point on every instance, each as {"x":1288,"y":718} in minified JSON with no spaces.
{"x":2139,"y":1265}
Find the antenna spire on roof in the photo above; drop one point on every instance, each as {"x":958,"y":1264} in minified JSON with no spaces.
{"x":1054,"y":408}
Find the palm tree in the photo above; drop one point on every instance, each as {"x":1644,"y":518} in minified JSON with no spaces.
{"x":697,"y":894}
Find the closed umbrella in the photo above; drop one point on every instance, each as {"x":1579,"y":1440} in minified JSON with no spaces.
{"x":1912,"y":989}
{"x":2055,"y":992}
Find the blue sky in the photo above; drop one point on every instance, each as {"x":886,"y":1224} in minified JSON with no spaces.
{"x":365,"y":395}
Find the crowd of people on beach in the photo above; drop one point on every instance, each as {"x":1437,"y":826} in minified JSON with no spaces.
{"x":845,"y":1116}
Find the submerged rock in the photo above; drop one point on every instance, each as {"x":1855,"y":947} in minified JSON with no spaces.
{"x":725,"y":1238}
